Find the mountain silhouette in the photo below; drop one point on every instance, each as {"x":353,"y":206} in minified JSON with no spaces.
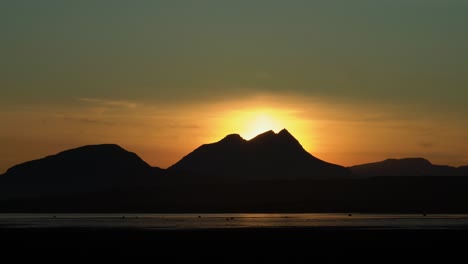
{"x":87,"y":168}
{"x":267,"y":156}
{"x":269,"y":173}
{"x":404,"y":167}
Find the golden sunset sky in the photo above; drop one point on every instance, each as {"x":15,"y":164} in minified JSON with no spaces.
{"x":353,"y":81}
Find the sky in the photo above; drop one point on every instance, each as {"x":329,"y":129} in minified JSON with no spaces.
{"x":354,"y":81}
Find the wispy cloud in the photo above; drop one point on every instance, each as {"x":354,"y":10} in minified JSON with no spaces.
{"x":89,"y":121}
{"x":108,"y":103}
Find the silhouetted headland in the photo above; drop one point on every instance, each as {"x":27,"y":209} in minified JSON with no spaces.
{"x":406,"y":167}
{"x":269,"y":173}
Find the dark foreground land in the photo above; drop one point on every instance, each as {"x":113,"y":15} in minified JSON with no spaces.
{"x":247,"y":245}
{"x":444,"y":195}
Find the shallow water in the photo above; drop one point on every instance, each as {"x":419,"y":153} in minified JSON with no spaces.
{"x":201,"y":221}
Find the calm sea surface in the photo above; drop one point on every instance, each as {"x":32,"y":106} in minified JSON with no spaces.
{"x":196,"y":221}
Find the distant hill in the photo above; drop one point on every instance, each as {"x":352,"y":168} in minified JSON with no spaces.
{"x":267,"y":156}
{"x":405,"y":167}
{"x":84,"y":169}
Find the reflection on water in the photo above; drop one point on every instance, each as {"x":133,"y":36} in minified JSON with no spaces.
{"x":193,"y":221}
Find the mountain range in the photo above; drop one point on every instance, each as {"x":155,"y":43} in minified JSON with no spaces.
{"x":271,"y":172}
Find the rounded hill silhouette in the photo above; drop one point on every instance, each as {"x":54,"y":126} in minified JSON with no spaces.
{"x":87,"y":168}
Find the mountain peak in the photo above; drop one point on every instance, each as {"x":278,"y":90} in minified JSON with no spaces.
{"x":232,"y":138}
{"x":265,"y":136}
{"x":284,"y":131}
{"x":286,"y":135}
{"x":283,"y":138}
{"x":268,"y":155}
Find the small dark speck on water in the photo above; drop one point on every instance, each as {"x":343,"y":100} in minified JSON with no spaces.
{"x":350,"y":215}
{"x":199,"y":216}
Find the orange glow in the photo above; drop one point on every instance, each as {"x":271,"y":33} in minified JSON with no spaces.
{"x":253,"y":122}
{"x":337,"y":132}
{"x":250,"y":120}
{"x":259,"y":123}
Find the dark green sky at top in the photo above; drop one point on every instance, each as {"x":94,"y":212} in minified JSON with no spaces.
{"x":392,"y":51}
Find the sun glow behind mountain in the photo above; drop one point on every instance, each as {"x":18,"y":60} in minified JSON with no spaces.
{"x":336,"y":131}
{"x":259,"y":122}
{"x":250,"y":121}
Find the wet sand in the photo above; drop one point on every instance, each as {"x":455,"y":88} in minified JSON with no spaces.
{"x":240,"y":245}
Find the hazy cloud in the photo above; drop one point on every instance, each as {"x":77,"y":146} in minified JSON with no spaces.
{"x":183,"y":126}
{"x":426,"y":144}
{"x":108,"y":103}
